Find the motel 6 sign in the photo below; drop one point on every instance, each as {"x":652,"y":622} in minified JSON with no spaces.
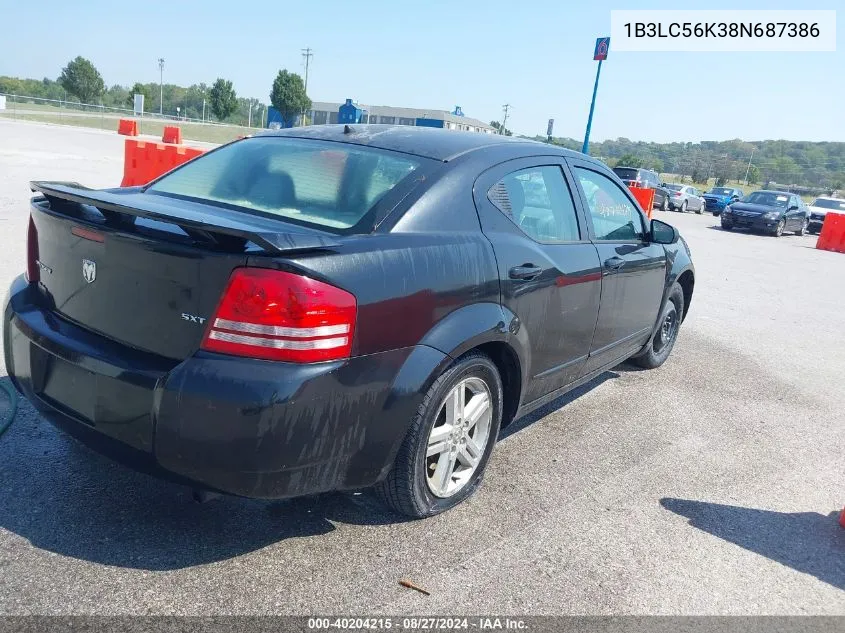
{"x":602,"y":45}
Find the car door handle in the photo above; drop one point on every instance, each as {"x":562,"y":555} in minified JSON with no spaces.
{"x":614,"y":263}
{"x":526,"y":271}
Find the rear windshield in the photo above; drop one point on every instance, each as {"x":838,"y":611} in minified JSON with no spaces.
{"x":675,"y":187}
{"x":721,"y":191}
{"x":826,"y":203}
{"x":626,"y":173}
{"x":329,"y":185}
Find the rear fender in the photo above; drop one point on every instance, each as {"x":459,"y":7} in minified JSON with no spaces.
{"x":453,"y":336}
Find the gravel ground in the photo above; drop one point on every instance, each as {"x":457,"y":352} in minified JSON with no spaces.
{"x":708,"y":486}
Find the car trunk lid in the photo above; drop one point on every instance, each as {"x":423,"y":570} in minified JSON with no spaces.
{"x":147,"y":270}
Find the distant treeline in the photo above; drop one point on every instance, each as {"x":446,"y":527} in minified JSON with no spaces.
{"x":189,"y":100}
{"x":809,"y":164}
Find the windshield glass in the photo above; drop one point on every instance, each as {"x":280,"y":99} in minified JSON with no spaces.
{"x":675,"y":187}
{"x":826,"y":203}
{"x":721,"y":191}
{"x":626,"y":173}
{"x":330,"y":185}
{"x":767,"y":198}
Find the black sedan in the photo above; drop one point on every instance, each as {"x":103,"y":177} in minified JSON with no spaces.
{"x":335,"y":307}
{"x":770,"y":212}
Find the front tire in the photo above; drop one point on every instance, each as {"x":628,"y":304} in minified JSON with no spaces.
{"x":779,"y":228}
{"x":664,"y":341}
{"x":441,"y":461}
{"x":665,"y":206}
{"x":803,"y":229}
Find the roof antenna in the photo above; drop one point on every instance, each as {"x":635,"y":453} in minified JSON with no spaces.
{"x":347,"y":129}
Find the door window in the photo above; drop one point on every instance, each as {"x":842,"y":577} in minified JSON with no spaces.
{"x":539,"y":202}
{"x":614,"y":216}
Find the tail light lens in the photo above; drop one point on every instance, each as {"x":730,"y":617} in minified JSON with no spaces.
{"x":277,"y":315}
{"x":677,"y":194}
{"x":33,"y":273}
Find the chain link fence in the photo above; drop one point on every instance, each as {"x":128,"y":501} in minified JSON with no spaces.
{"x":27,"y":108}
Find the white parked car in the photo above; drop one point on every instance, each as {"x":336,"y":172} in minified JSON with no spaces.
{"x":819,"y":209}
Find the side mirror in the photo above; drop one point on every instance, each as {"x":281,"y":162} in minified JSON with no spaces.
{"x":662,"y":233}
{"x":794,"y":207}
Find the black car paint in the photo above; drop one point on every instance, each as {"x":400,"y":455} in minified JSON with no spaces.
{"x":747,"y":215}
{"x":432,"y":282}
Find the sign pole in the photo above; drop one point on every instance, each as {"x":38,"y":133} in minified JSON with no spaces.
{"x":600,"y":54}
{"x":585,"y":148}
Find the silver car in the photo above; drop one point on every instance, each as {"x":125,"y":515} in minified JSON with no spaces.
{"x":684,"y":198}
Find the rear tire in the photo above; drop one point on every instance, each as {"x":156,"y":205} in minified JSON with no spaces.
{"x":664,"y":341}
{"x":684,"y":206}
{"x":414,"y":486}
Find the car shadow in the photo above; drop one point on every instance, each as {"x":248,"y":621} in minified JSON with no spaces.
{"x":63,"y":498}
{"x":808,"y":542}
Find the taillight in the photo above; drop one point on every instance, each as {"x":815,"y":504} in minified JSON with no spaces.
{"x":277,"y":315}
{"x":677,"y":194}
{"x":33,"y":273}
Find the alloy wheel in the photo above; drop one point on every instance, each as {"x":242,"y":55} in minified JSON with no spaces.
{"x":459,"y":437}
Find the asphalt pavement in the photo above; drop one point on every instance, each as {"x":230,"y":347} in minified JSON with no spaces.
{"x":708,"y":486}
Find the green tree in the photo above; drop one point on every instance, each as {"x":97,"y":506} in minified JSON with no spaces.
{"x":288,"y":96}
{"x":222,"y":98}
{"x":753,"y":175}
{"x":139,"y":89}
{"x":498,"y":127}
{"x":629,"y":160}
{"x":81,"y":79}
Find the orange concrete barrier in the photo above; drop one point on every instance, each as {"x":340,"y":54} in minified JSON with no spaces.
{"x":143,"y":162}
{"x":832,"y":236}
{"x":172,"y":134}
{"x":127,"y":127}
{"x":645,"y":197}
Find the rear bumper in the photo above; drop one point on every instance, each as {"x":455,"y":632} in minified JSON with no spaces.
{"x":240,"y":426}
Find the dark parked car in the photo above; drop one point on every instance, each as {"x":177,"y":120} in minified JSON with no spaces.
{"x":329,"y":307}
{"x":720,"y":197}
{"x":639,"y":177}
{"x":768,"y":211}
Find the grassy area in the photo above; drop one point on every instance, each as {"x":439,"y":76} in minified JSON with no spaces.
{"x":59,"y":116}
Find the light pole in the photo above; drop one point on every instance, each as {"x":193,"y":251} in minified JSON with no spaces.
{"x":748,"y":169}
{"x":161,"y":85}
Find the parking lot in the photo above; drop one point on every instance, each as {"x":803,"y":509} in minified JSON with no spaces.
{"x":708,"y":486}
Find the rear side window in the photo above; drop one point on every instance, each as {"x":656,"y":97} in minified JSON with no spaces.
{"x":325,"y":184}
{"x":614,"y":216}
{"x":539,"y":202}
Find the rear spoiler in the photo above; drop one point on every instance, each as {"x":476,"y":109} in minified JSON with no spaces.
{"x":196,"y":219}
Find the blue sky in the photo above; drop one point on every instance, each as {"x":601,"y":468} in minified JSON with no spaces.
{"x":536,"y":56}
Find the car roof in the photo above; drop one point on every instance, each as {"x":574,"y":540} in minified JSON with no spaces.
{"x":783,"y":193}
{"x":830,"y":198}
{"x":439,"y":144}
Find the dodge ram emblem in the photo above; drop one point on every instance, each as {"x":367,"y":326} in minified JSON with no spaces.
{"x":89,"y":270}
